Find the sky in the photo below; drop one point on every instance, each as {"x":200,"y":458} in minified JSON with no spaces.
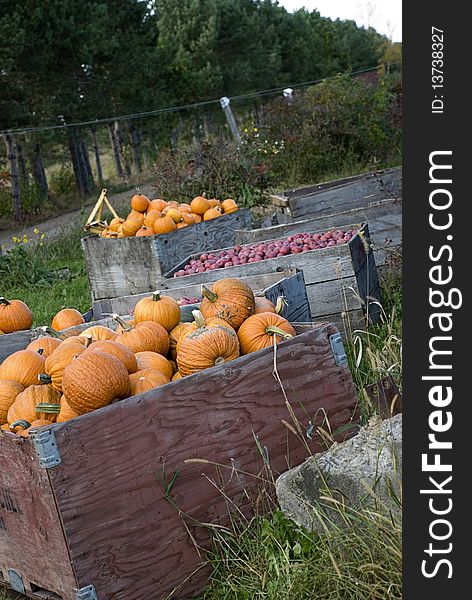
{"x":383,"y":15}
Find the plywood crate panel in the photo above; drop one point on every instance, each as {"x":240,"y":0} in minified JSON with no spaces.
{"x":100,"y":517}
{"x":132,"y":265}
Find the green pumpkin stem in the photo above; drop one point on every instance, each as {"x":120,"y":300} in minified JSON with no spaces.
{"x":49,"y":409}
{"x":44,"y":378}
{"x":199,"y":319}
{"x":156,"y":295}
{"x":49,"y":331}
{"x":272,"y":330}
{"x":209,"y":295}
{"x":20,"y":423}
{"x":4,"y":301}
{"x":280,"y":304}
{"x":126,"y":326}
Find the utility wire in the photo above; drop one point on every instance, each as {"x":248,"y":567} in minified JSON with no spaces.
{"x":172,"y":109}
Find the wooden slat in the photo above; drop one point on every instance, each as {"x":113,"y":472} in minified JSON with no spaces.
{"x":31,"y":537}
{"x":128,"y":540}
{"x":119,"y":267}
{"x":293,"y":290}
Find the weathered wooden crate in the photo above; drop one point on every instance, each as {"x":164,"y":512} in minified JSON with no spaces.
{"x":338,"y":195}
{"x":132,"y":265}
{"x":90,"y":508}
{"x":342,"y":281}
{"x":289,"y":283}
{"x":385,"y":227}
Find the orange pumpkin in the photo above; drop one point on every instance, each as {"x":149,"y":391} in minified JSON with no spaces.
{"x":65,"y":413}
{"x":150,"y":218}
{"x":93,"y":380}
{"x":185,"y":208}
{"x":23,"y":427}
{"x":131,"y":226}
{"x":212,"y":213}
{"x":9,"y":390}
{"x":176,"y":335}
{"x":45,"y":343}
{"x":199,"y":205}
{"x":117,"y":350}
{"x":140,"y":203}
{"x":23,"y":367}
{"x":55,"y":364}
{"x":198,"y":218}
{"x":146,"y":380}
{"x":174,"y":214}
{"x":164,"y":224}
{"x":115,"y":224}
{"x":259,"y":331}
{"x":264,"y":305}
{"x":35,"y":402}
{"x":229,"y":299}
{"x":65,"y":318}
{"x":229,"y":206}
{"x":157,"y":204}
{"x":158,"y":308}
{"x":14,"y":315}
{"x":98,"y":332}
{"x":205,"y":348}
{"x":152,"y":360}
{"x":188,"y":218}
{"x":214,"y":203}
{"x":145,"y":231}
{"x":176,"y":376}
{"x":145,"y":336}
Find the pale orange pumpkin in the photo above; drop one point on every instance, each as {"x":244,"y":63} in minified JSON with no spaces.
{"x":9,"y":390}
{"x":212,"y":213}
{"x":65,"y":413}
{"x":157,"y":204}
{"x":145,"y":336}
{"x":65,"y":318}
{"x":164,"y":224}
{"x":198,"y":218}
{"x":35,"y":402}
{"x":258,"y":332}
{"x":131,"y":226}
{"x":185,"y":208}
{"x":158,"y":308}
{"x":229,"y":206}
{"x":45,"y":343}
{"x":55,"y":364}
{"x":174,"y":214}
{"x":214,"y":203}
{"x":14,"y":315}
{"x":140,"y":203}
{"x":176,"y":376}
{"x":98,"y":332}
{"x":145,"y":380}
{"x":22,"y":366}
{"x":115,"y":224}
{"x":176,"y":335}
{"x":188,"y":218}
{"x":145,"y":231}
{"x":150,"y":218}
{"x":23,"y":427}
{"x":264,"y":305}
{"x":117,"y":350}
{"x":229,"y":299}
{"x":153,"y":360}
{"x":199,"y":205}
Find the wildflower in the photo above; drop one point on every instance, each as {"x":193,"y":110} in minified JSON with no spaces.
{"x":25,"y":239}
{"x":43,"y":235}
{"x":15,"y":239}
{"x":36,"y":230}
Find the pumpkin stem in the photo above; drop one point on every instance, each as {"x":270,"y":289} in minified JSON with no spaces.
{"x":40,"y":351}
{"x":272,"y":330}
{"x":20,"y":423}
{"x":280,"y":304}
{"x":219,"y":361}
{"x":4,"y":301}
{"x":156,"y":295}
{"x":48,"y":331}
{"x":88,"y":339}
{"x":209,"y":295}
{"x":44,"y":378}
{"x":126,"y":326}
{"x":199,"y":319}
{"x":50,"y":409}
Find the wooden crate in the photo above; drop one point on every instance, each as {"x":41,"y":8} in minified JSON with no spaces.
{"x":338,"y":196}
{"x":100,"y":516}
{"x":132,"y":265}
{"x":385,"y":227}
{"x":342,"y":281}
{"x":289,"y":283}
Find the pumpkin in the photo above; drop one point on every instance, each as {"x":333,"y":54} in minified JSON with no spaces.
{"x":144,"y":231}
{"x":145,"y":336}
{"x":140,"y":203}
{"x":35,"y":402}
{"x":229,"y":206}
{"x":131,"y":226}
{"x":182,"y":225}
{"x":14,"y":315}
{"x":9,"y":390}
{"x":206,"y":347}
{"x":176,"y":376}
{"x":23,"y":367}
{"x":45,"y":343}
{"x":258,"y":332}
{"x":161,"y":309}
{"x":65,"y":318}
{"x":22,"y":427}
{"x":115,"y":223}
{"x":198,"y":218}
{"x":59,"y":360}
{"x":229,"y":299}
{"x":174,"y":214}
{"x":214,"y":203}
{"x":264,"y":305}
{"x":152,"y":360}
{"x":191,"y":327}
{"x":212,"y":213}
{"x":185,"y":208}
{"x":150,"y":218}
{"x":98,"y":332}
{"x":117,"y":350}
{"x":145,"y":380}
{"x":188,"y":218}
{"x":176,"y":335}
{"x":164,"y":224}
{"x":157,"y":204}
{"x":65,"y":413}
{"x":199,"y":205}
{"x":93,"y":380}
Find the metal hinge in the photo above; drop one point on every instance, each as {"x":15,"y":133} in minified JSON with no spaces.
{"x":86,"y":593}
{"x":45,"y":444}
{"x":337,"y":347}
{"x":16,"y":581}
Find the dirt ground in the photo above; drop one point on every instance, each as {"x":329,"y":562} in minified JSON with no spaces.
{"x":58,"y":225}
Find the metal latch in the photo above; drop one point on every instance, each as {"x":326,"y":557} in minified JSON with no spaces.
{"x":337,"y":347}
{"x":86,"y":593}
{"x":46,"y":448}
{"x":16,"y":581}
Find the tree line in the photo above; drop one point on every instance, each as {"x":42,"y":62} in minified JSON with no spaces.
{"x":64,"y":61}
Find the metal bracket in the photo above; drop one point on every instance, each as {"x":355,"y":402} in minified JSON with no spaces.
{"x":45,"y":444}
{"x":337,"y":347}
{"x":16,"y":581}
{"x":86,"y":593}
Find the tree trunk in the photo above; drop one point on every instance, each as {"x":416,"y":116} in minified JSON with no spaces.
{"x":121,"y":146}
{"x":133,"y":136}
{"x":206,"y":127}
{"x":15,"y":179}
{"x":116,"y":151}
{"x":39,"y":173}
{"x":77,"y":163}
{"x":98,"y":163}
{"x":23,"y":172}
{"x":88,"y":173}
{"x":259,"y":115}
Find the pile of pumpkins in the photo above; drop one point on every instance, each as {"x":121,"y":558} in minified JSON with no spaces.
{"x":151,"y":217}
{"x":54,"y":379}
